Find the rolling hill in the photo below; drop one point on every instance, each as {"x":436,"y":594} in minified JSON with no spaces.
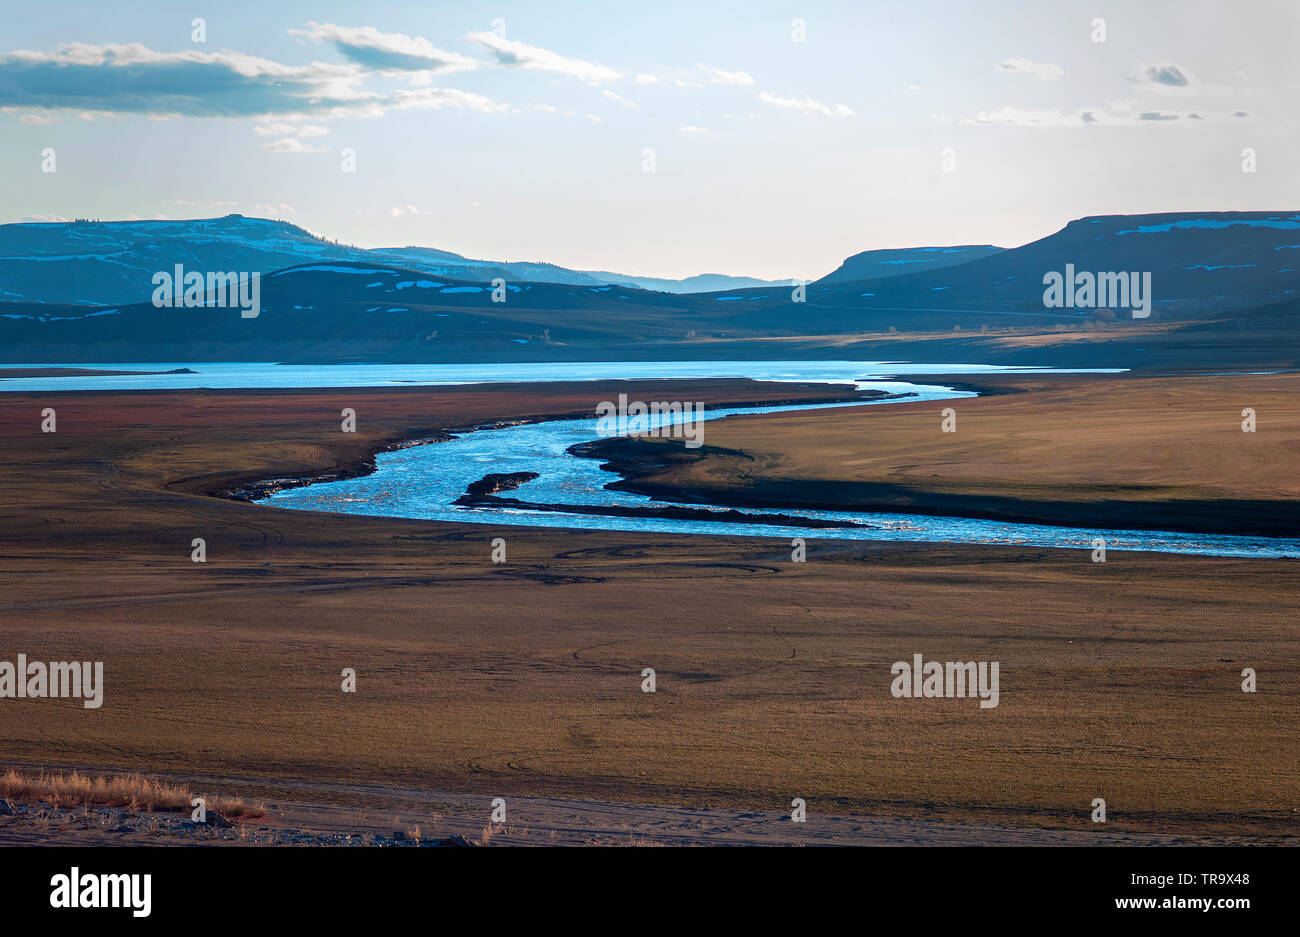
{"x":1201,"y":264}
{"x":107,"y":263}
{"x":349,"y":310}
{"x":1233,"y":269}
{"x":879,"y":264}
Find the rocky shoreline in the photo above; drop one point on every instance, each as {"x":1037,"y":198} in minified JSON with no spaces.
{"x":264,"y":488}
{"x":128,"y":827}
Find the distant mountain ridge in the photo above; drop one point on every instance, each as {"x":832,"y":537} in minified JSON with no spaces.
{"x":701,"y":283}
{"x":112,"y":263}
{"x":1201,"y":263}
{"x":343,"y":307}
{"x":393,"y":305}
{"x":878,"y":264}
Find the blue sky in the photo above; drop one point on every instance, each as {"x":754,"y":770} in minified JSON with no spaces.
{"x":518,"y":131}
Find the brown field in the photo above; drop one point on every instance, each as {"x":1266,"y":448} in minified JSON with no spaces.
{"x":1119,"y":680}
{"x":1165,"y":453}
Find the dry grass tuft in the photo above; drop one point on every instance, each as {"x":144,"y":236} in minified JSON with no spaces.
{"x":135,"y":792}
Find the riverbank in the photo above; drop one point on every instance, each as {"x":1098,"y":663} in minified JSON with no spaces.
{"x":1109,"y":452}
{"x":9,"y":374}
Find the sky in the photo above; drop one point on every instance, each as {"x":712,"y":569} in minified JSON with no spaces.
{"x":767,"y":139}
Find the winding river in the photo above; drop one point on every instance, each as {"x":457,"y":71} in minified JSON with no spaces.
{"x":424,"y":482}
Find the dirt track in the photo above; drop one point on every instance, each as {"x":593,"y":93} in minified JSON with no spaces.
{"x":380,"y":816}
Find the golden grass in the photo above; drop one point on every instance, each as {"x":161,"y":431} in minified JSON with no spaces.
{"x":136,"y":792}
{"x":1163,"y":453}
{"x":1087,"y":439}
{"x":1120,"y":679}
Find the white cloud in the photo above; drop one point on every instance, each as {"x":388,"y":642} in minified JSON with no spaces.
{"x":644,"y":79}
{"x":1168,"y":76}
{"x":389,"y":53}
{"x":1023,"y":117}
{"x":290,"y":130}
{"x":618,"y":98}
{"x":806,"y":104}
{"x":397,"y":211}
{"x":513,"y":54}
{"x":132,"y":78}
{"x":112,"y":80}
{"x":438,"y":98}
{"x":1173,"y":80}
{"x":1122,"y":116}
{"x":719,"y":77}
{"x":692,"y":129}
{"x":1038,"y":70}
{"x":292,"y":145}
